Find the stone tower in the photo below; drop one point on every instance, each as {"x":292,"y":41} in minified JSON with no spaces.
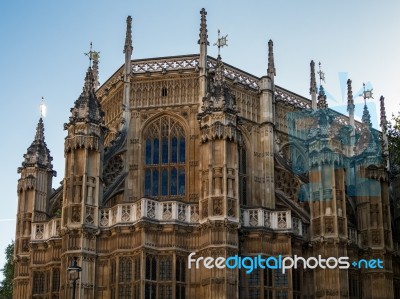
{"x":328,"y":236}
{"x":82,"y":192}
{"x":34,"y":189}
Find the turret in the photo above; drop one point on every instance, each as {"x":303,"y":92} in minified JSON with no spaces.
{"x":82,"y":194}
{"x":34,"y":188}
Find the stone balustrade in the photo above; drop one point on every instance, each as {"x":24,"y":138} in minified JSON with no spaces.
{"x":174,"y":211}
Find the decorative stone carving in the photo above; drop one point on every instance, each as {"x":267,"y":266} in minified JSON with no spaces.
{"x":204,"y":208}
{"x":167,"y":211}
{"x":76,"y":214}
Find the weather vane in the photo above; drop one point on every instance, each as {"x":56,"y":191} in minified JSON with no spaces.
{"x":321,"y":74}
{"x":221,"y":42}
{"x":367,"y":94}
{"x":93,"y":55}
{"x":42,"y":108}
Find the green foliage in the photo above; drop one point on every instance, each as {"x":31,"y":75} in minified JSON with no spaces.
{"x":394,"y":139}
{"x":6,"y":286}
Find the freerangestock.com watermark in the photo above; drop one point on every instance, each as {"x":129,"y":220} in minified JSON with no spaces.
{"x":249,"y":263}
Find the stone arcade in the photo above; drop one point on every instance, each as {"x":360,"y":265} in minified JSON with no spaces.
{"x":185,"y":154}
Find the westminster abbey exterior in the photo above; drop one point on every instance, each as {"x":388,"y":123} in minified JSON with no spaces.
{"x":187,"y":154}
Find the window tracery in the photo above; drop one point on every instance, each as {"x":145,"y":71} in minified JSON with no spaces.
{"x":165,"y":158}
{"x":242,"y":175}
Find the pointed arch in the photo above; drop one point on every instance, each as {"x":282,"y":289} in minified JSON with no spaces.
{"x":164,"y":157}
{"x":295,"y":157}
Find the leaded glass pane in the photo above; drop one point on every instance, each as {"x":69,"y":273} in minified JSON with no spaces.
{"x":148,"y":151}
{"x":182,"y":150}
{"x":155,"y":183}
{"x":165,"y":269}
{"x":280,"y":279}
{"x":174,"y":150}
{"x":156,"y":152}
{"x":174,"y":183}
{"x":164,"y":150}
{"x":164,"y":182}
{"x":181,"y":181}
{"x":147,"y":182}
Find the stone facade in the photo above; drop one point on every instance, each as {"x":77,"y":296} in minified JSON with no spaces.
{"x":187,"y":154}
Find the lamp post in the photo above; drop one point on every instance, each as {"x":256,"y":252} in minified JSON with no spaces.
{"x":73,"y":272}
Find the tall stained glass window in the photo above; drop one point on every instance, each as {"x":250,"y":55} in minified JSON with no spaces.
{"x":165,"y":159}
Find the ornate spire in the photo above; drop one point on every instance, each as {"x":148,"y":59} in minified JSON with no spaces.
{"x":366,"y":117}
{"x":322,"y":103}
{"x":383,"y":115}
{"x":350,"y":101}
{"x":203,"y":29}
{"x":271,"y":65}
{"x":38,"y":155}
{"x":87,"y":107}
{"x":128,"y":38}
{"x":313,"y":83}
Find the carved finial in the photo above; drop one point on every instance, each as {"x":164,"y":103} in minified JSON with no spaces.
{"x":383,"y":115}
{"x":321,"y":74}
{"x":203,"y":28}
{"x":322,"y":103}
{"x":128,"y":38}
{"x":94,"y":62}
{"x":221,"y":42}
{"x":350,"y":101}
{"x":271,"y":64}
{"x":92,"y":55}
{"x":367,"y":94}
{"x":313,"y":83}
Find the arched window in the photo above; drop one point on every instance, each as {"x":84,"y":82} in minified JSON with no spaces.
{"x":39,"y":283}
{"x":242,"y":176}
{"x":165,"y":158}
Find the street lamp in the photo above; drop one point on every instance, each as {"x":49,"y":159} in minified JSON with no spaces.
{"x":73,"y":272}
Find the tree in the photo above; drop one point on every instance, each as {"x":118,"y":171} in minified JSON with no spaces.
{"x":6,"y":286}
{"x":394,"y":140}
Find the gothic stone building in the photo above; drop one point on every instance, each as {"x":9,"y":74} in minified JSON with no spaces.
{"x":185,"y":154}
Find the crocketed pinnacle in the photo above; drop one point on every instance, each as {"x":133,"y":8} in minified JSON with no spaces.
{"x":219,"y":78}
{"x":128,"y":48}
{"x":383,"y":114}
{"x":219,"y":96}
{"x":313,"y":83}
{"x":350,"y":100}
{"x":366,"y":117}
{"x":322,"y":103}
{"x":38,"y":155}
{"x":87,"y":108}
{"x":203,"y":28}
{"x":271,"y":64}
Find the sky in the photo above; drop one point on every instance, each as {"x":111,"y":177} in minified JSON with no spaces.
{"x":42,"y":45}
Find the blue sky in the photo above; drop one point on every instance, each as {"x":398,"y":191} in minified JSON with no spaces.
{"x":42,"y":45}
